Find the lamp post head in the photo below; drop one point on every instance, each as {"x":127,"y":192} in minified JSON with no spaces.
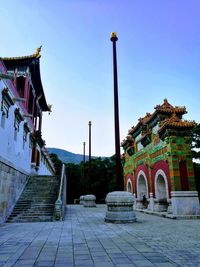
{"x":113,"y":37}
{"x":90,"y":123}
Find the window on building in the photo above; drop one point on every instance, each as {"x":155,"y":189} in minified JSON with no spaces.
{"x":3,"y":120}
{"x":30,"y":103}
{"x":33,"y":154}
{"x":25,"y":134}
{"x":38,"y":158}
{"x":139,"y":146}
{"x":21,"y":85}
{"x":17,"y":120}
{"x":4,"y":114}
{"x":5,"y":105}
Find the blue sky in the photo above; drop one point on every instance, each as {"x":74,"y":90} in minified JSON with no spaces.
{"x":158,"y":57}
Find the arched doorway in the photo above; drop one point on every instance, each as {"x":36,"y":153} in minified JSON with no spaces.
{"x":142,"y":190}
{"x":161,"y":188}
{"x":129,"y":187}
{"x":161,"y":191}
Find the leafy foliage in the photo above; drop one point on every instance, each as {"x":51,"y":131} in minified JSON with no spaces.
{"x":196,"y":142}
{"x":57,"y":163}
{"x":197,"y":176}
{"x":196,"y":155}
{"x":101,"y":181}
{"x":73,"y":181}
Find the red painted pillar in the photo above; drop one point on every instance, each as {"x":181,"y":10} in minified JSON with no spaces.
{"x":119,"y":178}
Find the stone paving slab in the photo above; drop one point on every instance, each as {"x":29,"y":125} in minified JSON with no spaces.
{"x":85,"y":240}
{"x":170,"y":216}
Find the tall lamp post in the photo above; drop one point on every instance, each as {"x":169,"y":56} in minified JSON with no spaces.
{"x":119,"y":203}
{"x":84,"y":152}
{"x":116,"y":114}
{"x":89,"y":164}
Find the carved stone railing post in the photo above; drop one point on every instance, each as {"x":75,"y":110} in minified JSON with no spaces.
{"x":59,"y":210}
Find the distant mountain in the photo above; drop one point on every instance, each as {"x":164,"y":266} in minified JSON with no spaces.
{"x":66,"y":156}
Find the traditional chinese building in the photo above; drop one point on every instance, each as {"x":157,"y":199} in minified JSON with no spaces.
{"x":22,"y":150}
{"x":157,"y":162}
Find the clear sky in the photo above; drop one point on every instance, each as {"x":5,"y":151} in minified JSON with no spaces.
{"x":158,"y":57}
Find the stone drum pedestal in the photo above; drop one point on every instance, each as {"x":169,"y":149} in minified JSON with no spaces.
{"x":89,"y":201}
{"x":81,"y":200}
{"x":120,"y":207}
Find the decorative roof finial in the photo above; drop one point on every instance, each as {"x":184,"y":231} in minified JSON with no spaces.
{"x":166,"y":104}
{"x":38,"y":50}
{"x":49,"y":108}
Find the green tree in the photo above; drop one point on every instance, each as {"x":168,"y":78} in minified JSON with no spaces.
{"x":101,"y":181}
{"x":197,"y":176}
{"x":57,"y":163}
{"x":113,"y":186}
{"x":196,"y":155}
{"x":73,"y":172}
{"x":196,"y":142}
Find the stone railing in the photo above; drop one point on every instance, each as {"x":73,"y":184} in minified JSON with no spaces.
{"x":13,"y":182}
{"x":60,"y":204}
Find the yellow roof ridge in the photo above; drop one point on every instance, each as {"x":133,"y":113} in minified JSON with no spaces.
{"x":35,"y":55}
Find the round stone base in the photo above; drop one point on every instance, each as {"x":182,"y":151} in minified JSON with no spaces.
{"x":116,"y":217}
{"x":89,"y":201}
{"x":120,"y":207}
{"x":81,"y":200}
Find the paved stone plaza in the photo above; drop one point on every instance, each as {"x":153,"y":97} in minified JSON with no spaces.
{"x":84,"y":239}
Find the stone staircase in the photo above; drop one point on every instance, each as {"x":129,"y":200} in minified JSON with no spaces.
{"x":36,"y":203}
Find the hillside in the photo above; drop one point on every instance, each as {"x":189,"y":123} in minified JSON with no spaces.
{"x":66,"y":156}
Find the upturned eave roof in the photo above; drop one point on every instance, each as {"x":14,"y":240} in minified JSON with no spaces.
{"x":33,"y":62}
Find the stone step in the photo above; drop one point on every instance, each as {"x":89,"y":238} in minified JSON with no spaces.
{"x":33,"y":206}
{"x":31,"y":219}
{"x":30,"y":214}
{"x":40,"y":191}
{"x":43,"y":187}
{"x":44,"y":192}
{"x":38,"y":195}
{"x":37,"y":200}
{"x":23,"y":199}
{"x":27,"y":200}
{"x":38,"y":209}
{"x":22,"y":205}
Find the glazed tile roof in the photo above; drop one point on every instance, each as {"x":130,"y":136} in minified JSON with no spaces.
{"x":165,"y":108}
{"x":171,"y":117}
{"x":175,"y":122}
{"x":33,"y":62}
{"x":35,"y":55}
{"x":127,"y":140}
